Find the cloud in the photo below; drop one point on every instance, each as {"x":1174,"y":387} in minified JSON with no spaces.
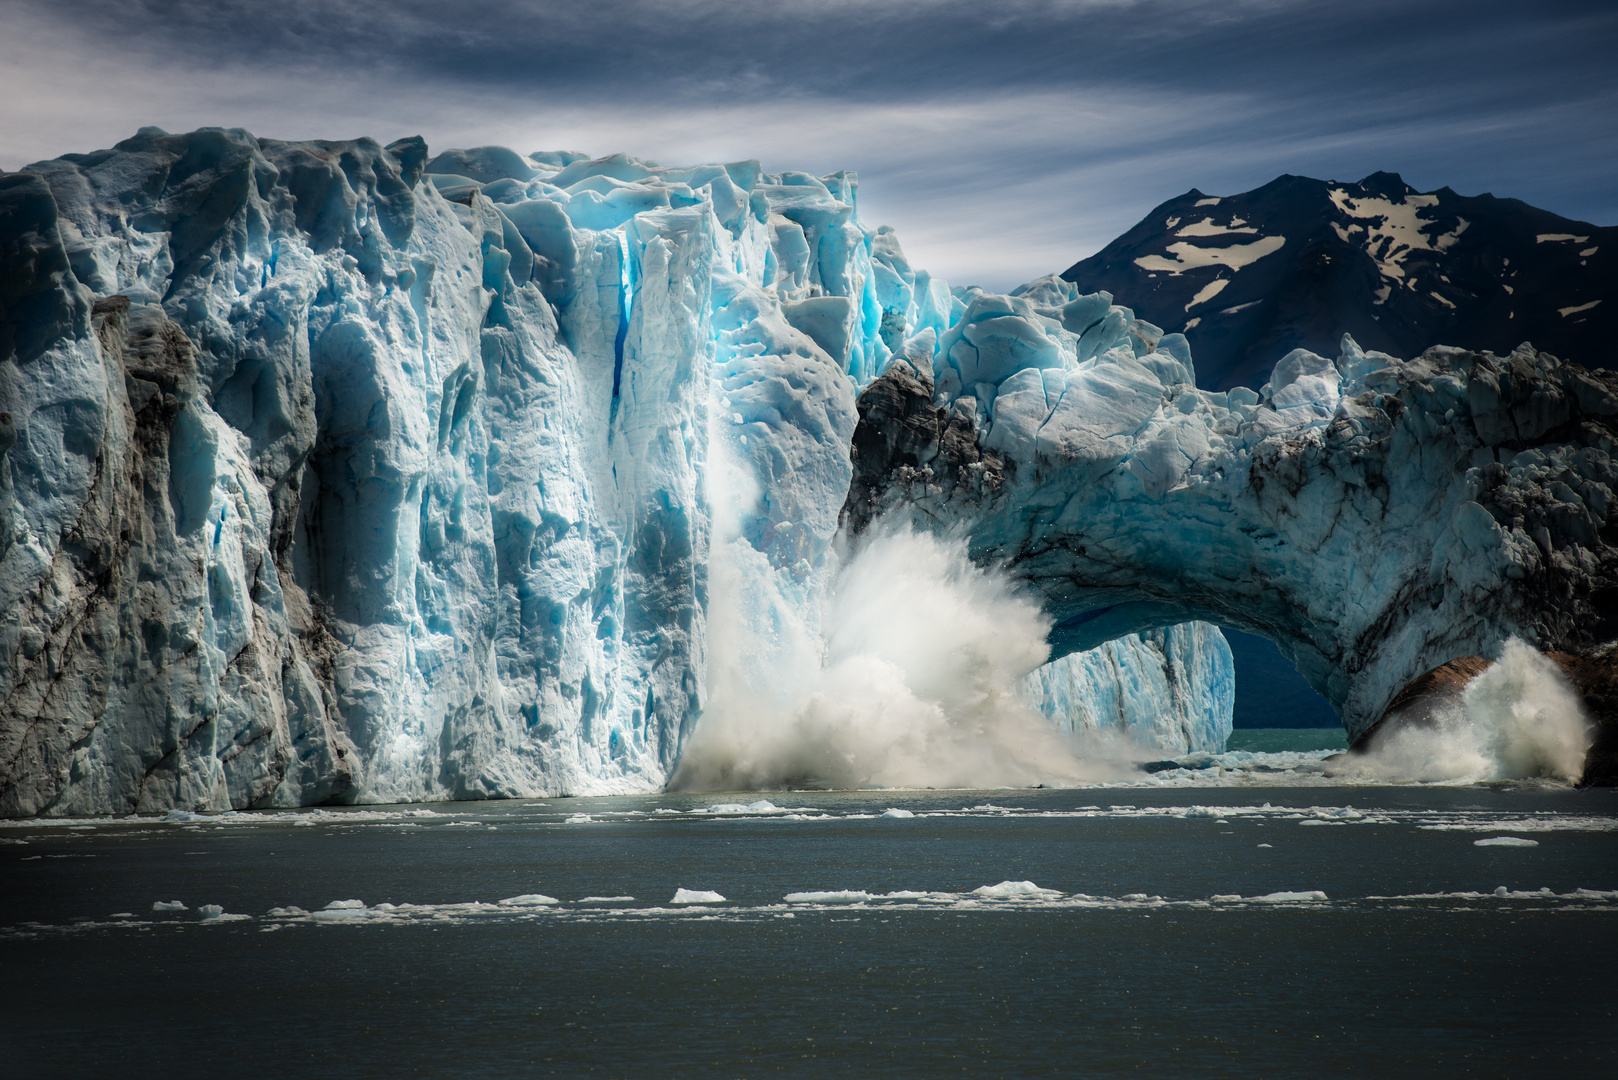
{"x":1002,"y":142}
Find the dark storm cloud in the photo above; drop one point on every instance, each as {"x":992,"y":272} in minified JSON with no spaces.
{"x":1474,"y":50}
{"x":1013,"y":136}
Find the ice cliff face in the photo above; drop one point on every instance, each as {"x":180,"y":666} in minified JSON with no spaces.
{"x":1374,"y":516}
{"x":332,"y":472}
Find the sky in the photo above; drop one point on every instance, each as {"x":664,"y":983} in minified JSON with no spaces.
{"x":1002,"y":140}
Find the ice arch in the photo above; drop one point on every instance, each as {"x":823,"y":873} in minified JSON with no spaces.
{"x":1374,"y":517}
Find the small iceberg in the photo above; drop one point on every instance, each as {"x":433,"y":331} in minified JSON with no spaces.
{"x":1015,"y":890}
{"x":532,"y":899}
{"x":1506,"y":841}
{"x":762,"y":806}
{"x":696,"y":896}
{"x":342,"y":911}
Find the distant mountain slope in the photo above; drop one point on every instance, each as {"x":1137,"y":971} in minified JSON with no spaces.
{"x":1298,"y":261}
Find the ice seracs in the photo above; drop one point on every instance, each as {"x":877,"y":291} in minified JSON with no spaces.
{"x":332,"y":471}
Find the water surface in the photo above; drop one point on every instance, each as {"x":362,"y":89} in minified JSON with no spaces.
{"x":1209,"y":931}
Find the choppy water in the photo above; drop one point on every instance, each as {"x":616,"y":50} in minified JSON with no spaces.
{"x":1220,"y":931}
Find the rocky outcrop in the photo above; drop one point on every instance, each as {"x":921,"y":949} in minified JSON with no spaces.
{"x":1595,"y":677}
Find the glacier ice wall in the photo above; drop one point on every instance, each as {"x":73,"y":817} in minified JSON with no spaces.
{"x":1376,"y":517}
{"x":334,"y":472}
{"x":1170,"y":688}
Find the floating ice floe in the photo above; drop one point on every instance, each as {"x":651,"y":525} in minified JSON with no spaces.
{"x":762,"y":806}
{"x":845,"y":896}
{"x":1015,"y":890}
{"x":1506,"y":841}
{"x":214,"y":913}
{"x":529,"y":900}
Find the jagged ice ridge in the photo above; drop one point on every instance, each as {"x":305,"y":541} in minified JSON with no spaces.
{"x":332,"y":472}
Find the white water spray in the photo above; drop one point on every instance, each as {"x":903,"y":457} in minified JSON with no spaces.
{"x":1519,"y":719}
{"x":905,"y":675}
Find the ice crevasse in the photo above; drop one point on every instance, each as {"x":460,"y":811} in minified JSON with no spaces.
{"x":341,"y":472}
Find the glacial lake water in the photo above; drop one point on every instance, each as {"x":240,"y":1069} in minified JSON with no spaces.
{"x":1169,"y":930}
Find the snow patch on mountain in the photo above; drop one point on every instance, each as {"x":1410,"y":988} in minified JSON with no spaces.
{"x":1189,"y":256}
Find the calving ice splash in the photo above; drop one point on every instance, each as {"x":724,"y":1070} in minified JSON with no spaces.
{"x":914,"y":677}
{"x":342,"y":472}
{"x":1519,"y":718}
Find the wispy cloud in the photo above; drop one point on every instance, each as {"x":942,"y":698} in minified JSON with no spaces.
{"x":1002,"y":141}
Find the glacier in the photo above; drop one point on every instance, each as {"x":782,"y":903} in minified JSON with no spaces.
{"x":1375,"y":517}
{"x":341,"y":472}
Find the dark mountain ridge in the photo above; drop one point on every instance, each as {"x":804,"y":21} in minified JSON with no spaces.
{"x":1299,"y":261}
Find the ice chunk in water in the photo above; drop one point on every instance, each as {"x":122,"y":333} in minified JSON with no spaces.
{"x":532,"y":899}
{"x":1506,"y":841}
{"x":1289,"y":897}
{"x":169,"y":905}
{"x":342,"y":911}
{"x":696,"y":896}
{"x":897,"y":813}
{"x":1014,"y":890}
{"x":846,"y":896}
{"x":762,"y":806}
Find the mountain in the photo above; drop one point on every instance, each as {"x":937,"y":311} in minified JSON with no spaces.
{"x":1298,"y":262}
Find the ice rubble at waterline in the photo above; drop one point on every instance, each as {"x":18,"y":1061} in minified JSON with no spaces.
{"x":336,"y":472}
